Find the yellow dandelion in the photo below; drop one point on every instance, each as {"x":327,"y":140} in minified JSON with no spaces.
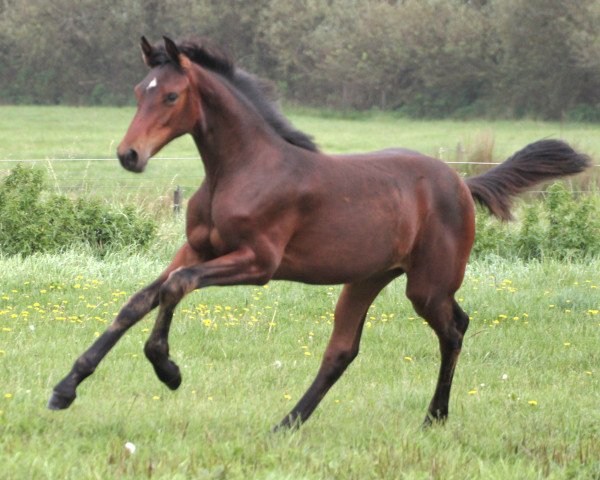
{"x":287,"y":396}
{"x":533,"y":403}
{"x":8,"y":395}
{"x":473,"y":391}
{"x":408,"y":359}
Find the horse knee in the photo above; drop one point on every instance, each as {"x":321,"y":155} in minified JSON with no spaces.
{"x":172,"y":291}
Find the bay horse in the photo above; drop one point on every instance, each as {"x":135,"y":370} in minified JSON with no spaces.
{"x":274,"y":207}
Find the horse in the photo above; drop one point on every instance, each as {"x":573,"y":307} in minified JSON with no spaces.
{"x":272,"y":206}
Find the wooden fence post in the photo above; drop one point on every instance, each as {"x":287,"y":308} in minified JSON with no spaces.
{"x":177,"y":199}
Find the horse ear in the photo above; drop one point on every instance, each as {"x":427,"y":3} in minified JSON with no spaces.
{"x":178,"y":58}
{"x":172,"y":50}
{"x":147,"y":51}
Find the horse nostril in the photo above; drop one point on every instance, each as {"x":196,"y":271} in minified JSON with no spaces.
{"x":128,"y":159}
{"x":132,"y":156}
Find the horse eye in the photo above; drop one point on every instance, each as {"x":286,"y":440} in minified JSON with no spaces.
{"x":171,"y":97}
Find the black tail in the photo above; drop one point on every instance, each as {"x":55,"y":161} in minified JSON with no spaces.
{"x":540,"y":161}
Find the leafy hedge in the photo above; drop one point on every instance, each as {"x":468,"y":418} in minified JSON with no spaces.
{"x":560,"y":225}
{"x":34,"y":219}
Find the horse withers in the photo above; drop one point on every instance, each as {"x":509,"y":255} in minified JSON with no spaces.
{"x":273,"y":207}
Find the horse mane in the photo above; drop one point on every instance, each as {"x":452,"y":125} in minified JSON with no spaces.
{"x":258,"y":92}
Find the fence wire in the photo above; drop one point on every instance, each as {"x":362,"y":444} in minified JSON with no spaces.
{"x":162,"y":183}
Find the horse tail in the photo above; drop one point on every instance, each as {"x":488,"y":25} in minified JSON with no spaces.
{"x":537,"y":162}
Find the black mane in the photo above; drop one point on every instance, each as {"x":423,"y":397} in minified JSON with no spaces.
{"x":260,"y":93}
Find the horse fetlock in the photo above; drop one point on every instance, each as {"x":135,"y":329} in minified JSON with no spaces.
{"x":83,"y":367}
{"x":156,"y":351}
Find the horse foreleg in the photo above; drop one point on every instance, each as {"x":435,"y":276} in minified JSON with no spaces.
{"x":132,"y":312}
{"x":349,"y":318}
{"x":238,"y":267}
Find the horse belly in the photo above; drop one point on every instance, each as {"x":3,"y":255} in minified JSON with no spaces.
{"x":346,"y":248}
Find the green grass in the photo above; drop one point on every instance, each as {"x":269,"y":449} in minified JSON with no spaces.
{"x":242,"y":351}
{"x":48,"y":133}
{"x":526,"y":393}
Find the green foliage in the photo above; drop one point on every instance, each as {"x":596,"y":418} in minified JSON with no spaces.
{"x":33,"y":219}
{"x":561,"y":226}
{"x":434,"y":58}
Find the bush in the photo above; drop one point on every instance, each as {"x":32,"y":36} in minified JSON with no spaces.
{"x":33,"y":219}
{"x":561,"y":225}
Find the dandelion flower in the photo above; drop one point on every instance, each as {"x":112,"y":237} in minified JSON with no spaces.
{"x":473,"y":391}
{"x":533,"y":403}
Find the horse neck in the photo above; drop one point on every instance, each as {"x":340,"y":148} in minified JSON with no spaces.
{"x":231,"y":133}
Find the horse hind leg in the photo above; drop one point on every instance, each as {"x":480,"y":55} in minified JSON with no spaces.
{"x":436,"y":304}
{"x":343,"y":346}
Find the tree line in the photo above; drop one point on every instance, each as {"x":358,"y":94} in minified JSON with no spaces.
{"x":423,"y":58}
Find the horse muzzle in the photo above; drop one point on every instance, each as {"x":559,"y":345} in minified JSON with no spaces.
{"x":130,"y":160}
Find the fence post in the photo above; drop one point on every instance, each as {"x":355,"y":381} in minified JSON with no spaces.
{"x":177,"y":198}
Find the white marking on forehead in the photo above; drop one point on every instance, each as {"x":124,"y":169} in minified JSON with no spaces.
{"x":152,"y":84}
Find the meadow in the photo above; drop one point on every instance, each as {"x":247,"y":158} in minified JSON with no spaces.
{"x":526,"y":395}
{"x":45,"y":134}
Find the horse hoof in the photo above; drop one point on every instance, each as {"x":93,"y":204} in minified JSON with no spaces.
{"x":169,"y":374}
{"x":174,"y":383}
{"x":60,"y":401}
{"x":287,"y":425}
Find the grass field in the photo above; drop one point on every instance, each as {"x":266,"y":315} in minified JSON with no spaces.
{"x":526,"y":396}
{"x":49,"y":133}
{"x":524,"y":405}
